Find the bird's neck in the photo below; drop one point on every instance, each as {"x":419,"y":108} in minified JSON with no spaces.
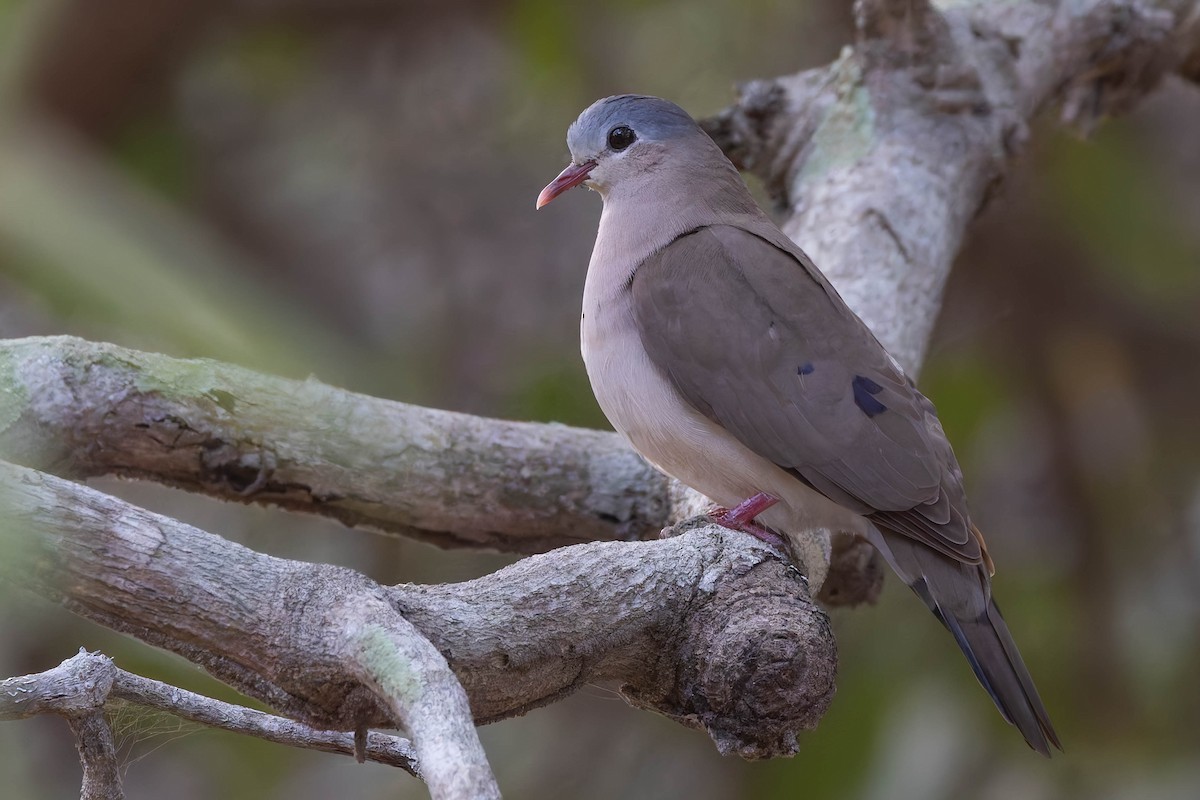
{"x":641,"y":217}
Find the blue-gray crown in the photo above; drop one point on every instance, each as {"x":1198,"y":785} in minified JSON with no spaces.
{"x":651,"y":118}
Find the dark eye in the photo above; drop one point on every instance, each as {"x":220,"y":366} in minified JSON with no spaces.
{"x":621,"y":137}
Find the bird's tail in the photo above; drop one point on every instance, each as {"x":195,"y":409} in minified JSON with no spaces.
{"x":960,"y":596}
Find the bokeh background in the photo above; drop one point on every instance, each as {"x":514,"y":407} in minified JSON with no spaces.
{"x":345,"y":188}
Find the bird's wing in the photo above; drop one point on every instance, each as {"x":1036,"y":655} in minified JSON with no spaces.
{"x":757,"y":340}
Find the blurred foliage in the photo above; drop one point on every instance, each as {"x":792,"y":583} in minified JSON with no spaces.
{"x":275,"y":59}
{"x":1120,"y":215}
{"x":154,"y":151}
{"x":347,"y":189}
{"x":554,"y":392}
{"x":970,"y":390}
{"x":543,"y":33}
{"x":20,"y":23}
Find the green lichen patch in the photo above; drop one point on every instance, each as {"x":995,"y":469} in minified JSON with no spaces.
{"x":13,"y":396}
{"x":391,"y":667}
{"x":848,"y":127}
{"x":224,"y":399}
{"x":189,"y":380}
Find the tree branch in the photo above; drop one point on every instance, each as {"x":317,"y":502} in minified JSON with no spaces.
{"x":98,"y":754}
{"x":880,"y":160}
{"x":82,"y":409}
{"x":699,"y":627}
{"x":390,"y":657}
{"x":380,"y":747}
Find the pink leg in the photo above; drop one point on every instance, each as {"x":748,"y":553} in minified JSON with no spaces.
{"x":741,"y":518}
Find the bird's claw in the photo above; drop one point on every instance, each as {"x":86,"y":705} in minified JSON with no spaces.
{"x":741,"y":518}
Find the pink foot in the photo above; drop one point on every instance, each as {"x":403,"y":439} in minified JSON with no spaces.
{"x":741,"y":518}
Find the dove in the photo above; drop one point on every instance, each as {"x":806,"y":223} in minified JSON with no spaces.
{"x":729,"y":362}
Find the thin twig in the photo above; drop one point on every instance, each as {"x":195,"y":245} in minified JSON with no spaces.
{"x":88,"y":682}
{"x":98,"y":754}
{"x":380,"y":747}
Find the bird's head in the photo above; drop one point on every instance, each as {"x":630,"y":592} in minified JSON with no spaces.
{"x":622,"y":141}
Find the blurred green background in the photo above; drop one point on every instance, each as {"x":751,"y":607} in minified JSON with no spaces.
{"x":345,"y":188}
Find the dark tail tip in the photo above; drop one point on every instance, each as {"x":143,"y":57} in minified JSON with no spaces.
{"x":959,"y":594}
{"x":993,"y":655}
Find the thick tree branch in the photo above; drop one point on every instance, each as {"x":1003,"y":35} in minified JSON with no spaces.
{"x":700,"y":626}
{"x":881,"y":159}
{"x":82,"y":409}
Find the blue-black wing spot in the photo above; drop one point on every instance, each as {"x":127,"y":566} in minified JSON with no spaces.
{"x":865,"y":390}
{"x":867,"y":384}
{"x":805,"y":369}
